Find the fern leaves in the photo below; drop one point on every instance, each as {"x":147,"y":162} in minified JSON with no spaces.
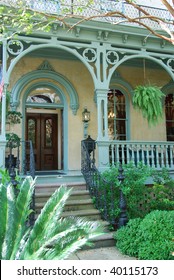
{"x":51,"y":237}
{"x":148,"y":100}
{"x":14,"y":214}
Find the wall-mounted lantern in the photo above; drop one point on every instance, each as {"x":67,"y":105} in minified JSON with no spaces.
{"x":85,"y":115}
{"x":85,"y":119}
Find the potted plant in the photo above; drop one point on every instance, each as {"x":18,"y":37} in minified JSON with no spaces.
{"x":14,"y":117}
{"x":148,"y":99}
{"x":13,"y":141}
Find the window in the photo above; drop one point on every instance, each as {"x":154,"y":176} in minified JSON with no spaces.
{"x":117,"y":120}
{"x":43,"y":95}
{"x":169,"y":111}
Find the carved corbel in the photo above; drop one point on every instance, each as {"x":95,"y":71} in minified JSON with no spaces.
{"x":125,"y":38}
{"x":163,"y":43}
{"x":77,"y":31}
{"x":144,"y":41}
{"x":106,"y":34}
{"x":99,"y":35}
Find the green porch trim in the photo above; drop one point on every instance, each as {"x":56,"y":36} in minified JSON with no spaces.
{"x":38,"y":74}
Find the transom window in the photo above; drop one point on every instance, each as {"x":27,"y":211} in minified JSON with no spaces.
{"x":169,"y":111}
{"x":43,"y":95}
{"x":117,"y":121}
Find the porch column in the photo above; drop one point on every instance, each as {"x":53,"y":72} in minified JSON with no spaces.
{"x":2,"y":134}
{"x":102,"y":120}
{"x":3,"y":111}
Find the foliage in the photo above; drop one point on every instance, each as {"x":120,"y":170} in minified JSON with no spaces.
{"x":132,"y":187}
{"x":162,"y":192}
{"x":14,"y":117}
{"x":51,"y":237}
{"x":13,"y":140}
{"x":140,"y":198}
{"x":127,"y":241}
{"x":149,"y":239}
{"x":148,"y":100}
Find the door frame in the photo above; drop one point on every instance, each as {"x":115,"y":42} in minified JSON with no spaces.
{"x":40,"y":149}
{"x":62,"y":107}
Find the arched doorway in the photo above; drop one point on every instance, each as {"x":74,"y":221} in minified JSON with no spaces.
{"x":32,"y":84}
{"x":44,"y":127}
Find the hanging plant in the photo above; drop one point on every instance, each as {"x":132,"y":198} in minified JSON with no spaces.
{"x":149,"y":100}
{"x":14,"y":117}
{"x":13,"y":140}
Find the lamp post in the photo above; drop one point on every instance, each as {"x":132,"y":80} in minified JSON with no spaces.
{"x":123,"y":219}
{"x":85,"y":119}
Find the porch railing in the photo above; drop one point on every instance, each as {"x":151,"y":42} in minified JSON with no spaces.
{"x":98,"y":7}
{"x":29,"y":161}
{"x":96,"y":185}
{"x":154,"y":154}
{"x":28,"y":168}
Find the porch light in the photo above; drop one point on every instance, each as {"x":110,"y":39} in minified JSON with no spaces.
{"x":85,"y":115}
{"x":85,"y":119}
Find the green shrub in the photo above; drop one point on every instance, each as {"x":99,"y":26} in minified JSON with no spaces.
{"x":140,"y":198}
{"x":127,"y":238}
{"x":133,"y":188}
{"x":156,"y":233}
{"x":162,"y":192}
{"x":150,"y":238}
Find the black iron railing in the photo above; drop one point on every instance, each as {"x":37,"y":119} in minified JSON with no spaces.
{"x":28,"y":168}
{"x":95,"y":183}
{"x":13,"y":162}
{"x":29,"y":160}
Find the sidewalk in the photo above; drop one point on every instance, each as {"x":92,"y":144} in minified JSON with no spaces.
{"x":106,"y":253}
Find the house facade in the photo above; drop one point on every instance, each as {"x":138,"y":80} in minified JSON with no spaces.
{"x":54,"y":76}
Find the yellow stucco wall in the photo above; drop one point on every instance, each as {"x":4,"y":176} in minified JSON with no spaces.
{"x":81,"y":80}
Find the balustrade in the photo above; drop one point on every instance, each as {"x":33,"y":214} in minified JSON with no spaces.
{"x":155,"y":154}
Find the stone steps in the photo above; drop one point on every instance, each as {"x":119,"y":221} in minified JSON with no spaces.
{"x":79,"y":204}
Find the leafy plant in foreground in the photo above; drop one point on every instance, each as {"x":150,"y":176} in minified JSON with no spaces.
{"x":51,"y":237}
{"x":151,"y":238}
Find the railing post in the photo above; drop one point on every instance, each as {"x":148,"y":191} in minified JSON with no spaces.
{"x":123,"y":219}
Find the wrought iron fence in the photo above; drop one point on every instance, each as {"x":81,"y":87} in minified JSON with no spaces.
{"x":29,"y":161}
{"x":97,"y":186}
{"x":28,"y":167}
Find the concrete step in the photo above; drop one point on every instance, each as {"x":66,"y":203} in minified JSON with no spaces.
{"x":90,"y":214}
{"x":73,"y":205}
{"x":70,"y":177}
{"x":70,"y":205}
{"x":48,"y":187}
{"x":75,"y":195}
{"x":104,"y":240}
{"x":78,"y":204}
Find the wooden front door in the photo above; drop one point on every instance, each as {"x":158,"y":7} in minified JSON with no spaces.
{"x":41,"y":129}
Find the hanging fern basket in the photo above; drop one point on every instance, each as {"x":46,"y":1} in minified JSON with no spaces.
{"x":149,"y":100}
